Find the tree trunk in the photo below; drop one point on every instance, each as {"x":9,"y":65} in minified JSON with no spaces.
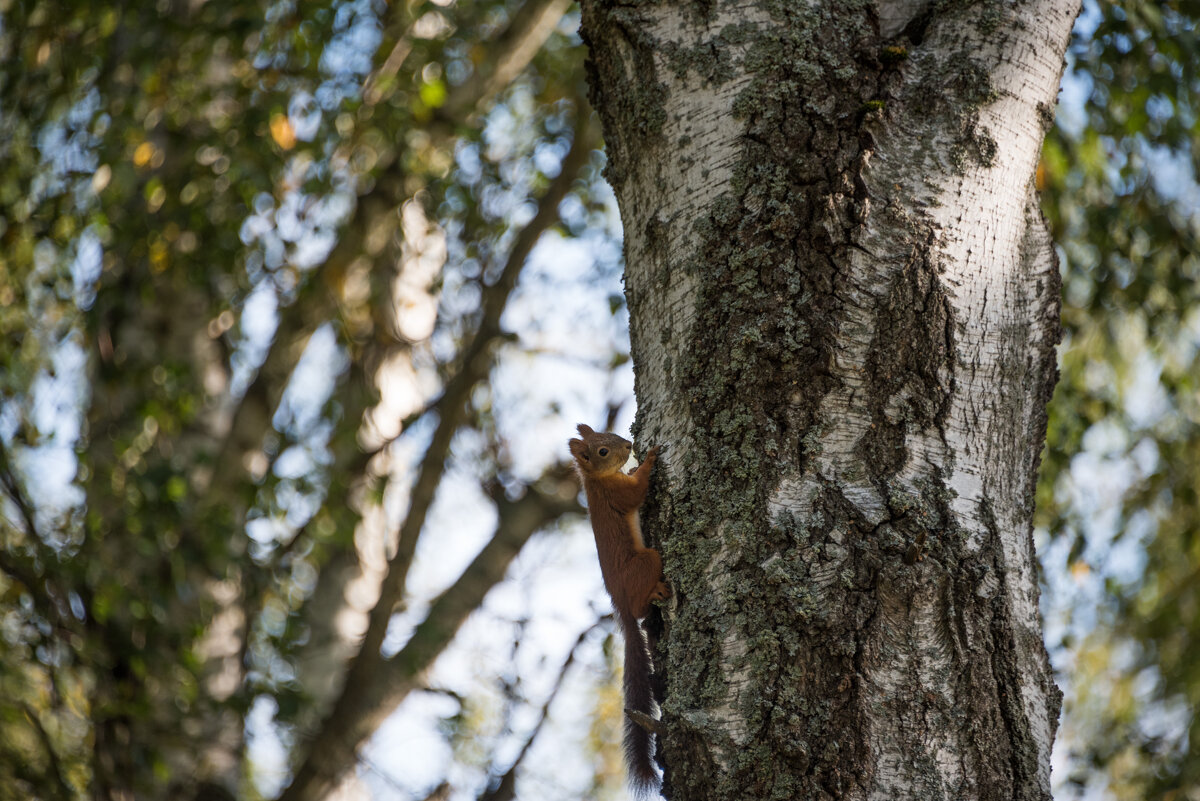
{"x":844,"y":307}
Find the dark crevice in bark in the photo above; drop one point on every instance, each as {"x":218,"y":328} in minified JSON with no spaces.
{"x":636,"y":113}
{"x":1043,"y":360}
{"x":910,"y":365}
{"x":914,"y":31}
{"x":1020,"y":750}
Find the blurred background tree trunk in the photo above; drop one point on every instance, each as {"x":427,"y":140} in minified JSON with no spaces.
{"x":844,"y":306}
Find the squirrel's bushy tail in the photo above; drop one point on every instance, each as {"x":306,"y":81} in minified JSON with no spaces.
{"x":639,"y":697}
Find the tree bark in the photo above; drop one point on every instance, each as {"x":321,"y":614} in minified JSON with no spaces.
{"x":844,"y":307}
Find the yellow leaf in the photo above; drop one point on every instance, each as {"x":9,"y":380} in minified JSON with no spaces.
{"x":282,"y":131}
{"x":433,"y":93}
{"x":143,"y":154}
{"x":159,"y":257}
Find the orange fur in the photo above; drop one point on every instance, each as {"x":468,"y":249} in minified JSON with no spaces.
{"x":632,"y":573}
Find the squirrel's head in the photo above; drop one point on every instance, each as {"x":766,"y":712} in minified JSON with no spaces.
{"x":600,"y":454}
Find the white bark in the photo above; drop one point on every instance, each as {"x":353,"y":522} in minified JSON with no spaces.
{"x":844,"y":306}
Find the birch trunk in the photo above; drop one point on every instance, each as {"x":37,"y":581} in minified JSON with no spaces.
{"x":844,"y":308}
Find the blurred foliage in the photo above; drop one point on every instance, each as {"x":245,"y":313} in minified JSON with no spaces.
{"x":1120,"y":487}
{"x":192,"y":195}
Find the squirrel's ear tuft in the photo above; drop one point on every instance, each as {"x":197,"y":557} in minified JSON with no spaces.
{"x":578,"y":449}
{"x":584,"y":431}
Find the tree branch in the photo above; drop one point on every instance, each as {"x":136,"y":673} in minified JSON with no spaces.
{"x":51,"y":602}
{"x":512,"y":51}
{"x":366,"y":697}
{"x":375,"y":687}
{"x":505,"y":790}
{"x":371,"y":90}
{"x":529,"y":29}
{"x":475,"y":361}
{"x":61,"y":788}
{"x":475,"y":365}
{"x":12,"y":488}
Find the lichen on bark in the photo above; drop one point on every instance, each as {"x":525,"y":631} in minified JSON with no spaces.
{"x":805,"y":346}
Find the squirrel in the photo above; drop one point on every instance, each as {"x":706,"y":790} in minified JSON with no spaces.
{"x":632,"y":575}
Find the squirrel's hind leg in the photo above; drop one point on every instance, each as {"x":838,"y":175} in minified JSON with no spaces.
{"x":646,"y":581}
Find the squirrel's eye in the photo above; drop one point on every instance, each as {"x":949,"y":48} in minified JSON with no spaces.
{"x":604,"y":451}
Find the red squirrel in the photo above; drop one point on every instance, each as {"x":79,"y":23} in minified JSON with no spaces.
{"x":632,"y":574}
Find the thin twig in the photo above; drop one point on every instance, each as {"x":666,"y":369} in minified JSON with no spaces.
{"x":48,"y":601}
{"x":12,"y":488}
{"x":376,"y":687}
{"x":506,"y":789}
{"x":391,"y":65}
{"x":514,"y":50}
{"x":373,"y":689}
{"x":475,"y":365}
{"x":531,"y":26}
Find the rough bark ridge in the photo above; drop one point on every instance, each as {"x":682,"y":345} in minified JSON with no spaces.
{"x":844,"y":308}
